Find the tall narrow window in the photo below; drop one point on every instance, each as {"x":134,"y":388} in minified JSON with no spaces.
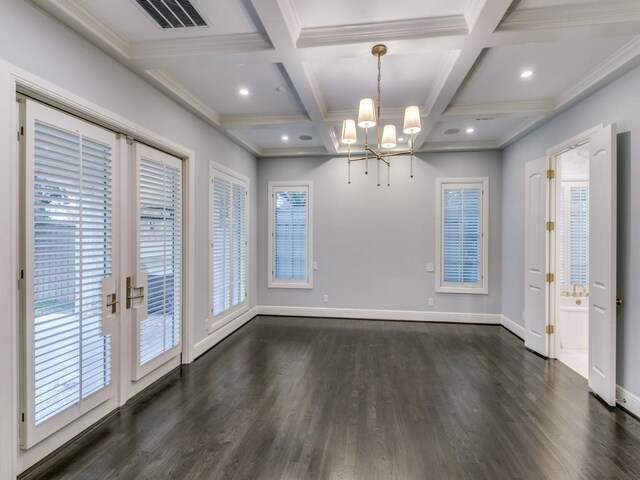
{"x":462,"y":236}
{"x":574,"y":235}
{"x":229,"y":243}
{"x":290,"y":240}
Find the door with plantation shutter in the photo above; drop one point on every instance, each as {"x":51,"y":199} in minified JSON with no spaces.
{"x":69,"y":291}
{"x":156,"y":288}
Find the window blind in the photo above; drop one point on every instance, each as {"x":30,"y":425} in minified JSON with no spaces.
{"x":72,"y":229}
{"x":579,"y":235}
{"x":462,"y":234}
{"x":229,"y":245}
{"x":290,"y":234}
{"x":160,"y":256}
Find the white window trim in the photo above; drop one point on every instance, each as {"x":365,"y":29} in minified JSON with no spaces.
{"x":441,"y":287}
{"x":218,"y":321}
{"x":273,"y":283}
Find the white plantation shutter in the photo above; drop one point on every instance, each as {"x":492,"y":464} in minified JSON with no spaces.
{"x":579,"y":235}
{"x":290,"y":233}
{"x":160,"y":250}
{"x":229,"y":242}
{"x":68,"y":234}
{"x":461,"y":242}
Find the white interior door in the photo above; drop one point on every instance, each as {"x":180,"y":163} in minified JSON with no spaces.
{"x":70,"y":307}
{"x":536,"y":261}
{"x":602,"y":264}
{"x":156,"y":288}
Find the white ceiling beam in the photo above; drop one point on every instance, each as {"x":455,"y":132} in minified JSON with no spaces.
{"x":453,"y":25}
{"x":264,"y":121}
{"x":277,"y":22}
{"x":212,"y":45}
{"x":524,"y":108}
{"x":459,"y":64}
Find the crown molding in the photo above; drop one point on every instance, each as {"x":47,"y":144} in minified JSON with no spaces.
{"x":578,"y":15}
{"x":371,"y":32}
{"x":500,"y":109}
{"x":209,"y":45}
{"x":264,"y":121}
{"x":335,"y":117}
{"x":76,"y":12}
{"x":432,"y":147}
{"x":295,"y":152}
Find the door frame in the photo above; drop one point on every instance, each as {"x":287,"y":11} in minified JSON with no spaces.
{"x":552,"y":154}
{"x":13,"y":81}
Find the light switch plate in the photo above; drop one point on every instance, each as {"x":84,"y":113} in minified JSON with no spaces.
{"x":315,"y":265}
{"x":430,"y":302}
{"x":430,"y":267}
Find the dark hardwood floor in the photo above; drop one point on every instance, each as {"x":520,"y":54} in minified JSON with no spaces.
{"x":299,"y":398}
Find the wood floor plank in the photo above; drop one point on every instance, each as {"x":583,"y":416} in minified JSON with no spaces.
{"x":300,"y":398}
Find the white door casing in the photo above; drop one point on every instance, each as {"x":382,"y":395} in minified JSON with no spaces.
{"x":536,"y":256}
{"x":602,"y":264}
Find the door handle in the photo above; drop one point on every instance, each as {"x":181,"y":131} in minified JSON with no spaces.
{"x":619,"y":302}
{"x":132,"y":294}
{"x":113,"y":304}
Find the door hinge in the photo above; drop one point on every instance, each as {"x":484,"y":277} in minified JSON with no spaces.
{"x":23,"y":417}
{"x":551,"y":278}
{"x":551,"y":174}
{"x":551,"y":226}
{"x":550,"y":329}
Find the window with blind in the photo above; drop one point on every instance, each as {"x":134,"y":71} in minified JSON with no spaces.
{"x":290,"y":239}
{"x":229,"y":241}
{"x":462,"y":236}
{"x":68,"y":236}
{"x":574,"y":235}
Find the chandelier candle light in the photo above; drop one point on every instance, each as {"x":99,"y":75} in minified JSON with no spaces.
{"x":386,"y":143}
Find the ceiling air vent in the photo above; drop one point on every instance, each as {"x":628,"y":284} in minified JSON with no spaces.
{"x":173,"y":13}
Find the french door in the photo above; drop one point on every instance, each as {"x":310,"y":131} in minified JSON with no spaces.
{"x":72,"y":176}
{"x":155,"y":290}
{"x":68,"y":288}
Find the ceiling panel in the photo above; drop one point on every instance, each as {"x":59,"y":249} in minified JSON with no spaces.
{"x":218,"y":86}
{"x":131,"y":21}
{"x":483,"y":129}
{"x":406,"y":79}
{"x":555,"y":66}
{"x":314,"y":13}
{"x":272,"y":137}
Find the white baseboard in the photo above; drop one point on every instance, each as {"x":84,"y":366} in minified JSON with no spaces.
{"x":402,"y":315}
{"x":513,"y":327}
{"x":218,"y":335}
{"x":628,"y":400}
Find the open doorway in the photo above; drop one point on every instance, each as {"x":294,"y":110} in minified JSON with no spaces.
{"x":570,"y":314}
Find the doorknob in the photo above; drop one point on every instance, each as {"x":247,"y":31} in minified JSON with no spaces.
{"x":619,"y":302}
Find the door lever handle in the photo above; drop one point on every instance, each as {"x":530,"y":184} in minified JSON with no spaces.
{"x":113,"y":304}
{"x":131,"y":294}
{"x":619,"y":302}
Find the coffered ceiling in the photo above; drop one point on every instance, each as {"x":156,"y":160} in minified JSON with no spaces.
{"x":279,"y":76}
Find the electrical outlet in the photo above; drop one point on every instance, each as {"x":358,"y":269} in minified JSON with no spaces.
{"x":430,"y":302}
{"x":325,"y":298}
{"x":315,"y":265}
{"x":430,"y":267}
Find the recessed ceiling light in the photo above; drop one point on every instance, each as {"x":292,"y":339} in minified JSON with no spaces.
{"x":471,"y":130}
{"x":285,"y":138}
{"x":244,"y":92}
{"x":526,"y":74}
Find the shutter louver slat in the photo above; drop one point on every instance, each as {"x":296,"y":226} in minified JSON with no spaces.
{"x":72,"y":255}
{"x":160,"y":251}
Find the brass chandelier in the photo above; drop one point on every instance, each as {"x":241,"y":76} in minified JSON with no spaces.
{"x":369,"y":117}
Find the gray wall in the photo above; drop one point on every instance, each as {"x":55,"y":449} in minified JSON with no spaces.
{"x":35,"y":42}
{"x":372,"y":243}
{"x":618,"y":103}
